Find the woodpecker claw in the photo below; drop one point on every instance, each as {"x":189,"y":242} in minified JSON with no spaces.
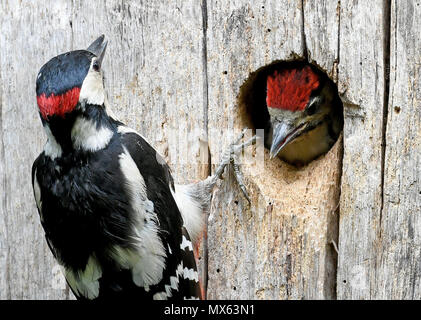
{"x":239,"y":177}
{"x":231,"y":157}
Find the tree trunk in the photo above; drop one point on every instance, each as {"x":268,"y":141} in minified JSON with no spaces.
{"x":175,"y":71}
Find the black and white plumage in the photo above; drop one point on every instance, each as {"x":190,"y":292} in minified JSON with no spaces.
{"x":112,"y":215}
{"x":303,"y":114}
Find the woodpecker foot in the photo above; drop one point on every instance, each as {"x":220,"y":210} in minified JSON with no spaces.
{"x":231,"y":157}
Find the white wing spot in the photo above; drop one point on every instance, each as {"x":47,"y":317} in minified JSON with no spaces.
{"x":147,"y":260}
{"x":191,"y":274}
{"x":174,"y":280}
{"x":186,"y":244}
{"x":160,"y":296}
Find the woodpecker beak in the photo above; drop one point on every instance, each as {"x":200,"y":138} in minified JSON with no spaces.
{"x":98,"y":48}
{"x":284,"y":133}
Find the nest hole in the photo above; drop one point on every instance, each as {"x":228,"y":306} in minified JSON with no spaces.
{"x":252,"y":95}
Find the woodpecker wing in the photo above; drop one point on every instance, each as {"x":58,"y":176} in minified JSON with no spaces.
{"x":111,"y":221}
{"x":160,"y":188}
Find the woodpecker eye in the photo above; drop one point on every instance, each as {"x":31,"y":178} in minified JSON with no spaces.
{"x":311,"y":109}
{"x":96,"y":66}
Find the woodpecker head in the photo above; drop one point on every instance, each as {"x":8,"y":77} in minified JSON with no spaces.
{"x":299,"y":101}
{"x":70,"y":80}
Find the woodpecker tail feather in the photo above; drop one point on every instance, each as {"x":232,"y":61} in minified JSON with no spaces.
{"x":193,"y":201}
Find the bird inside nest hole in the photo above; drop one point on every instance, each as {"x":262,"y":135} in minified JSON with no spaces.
{"x":298,"y":107}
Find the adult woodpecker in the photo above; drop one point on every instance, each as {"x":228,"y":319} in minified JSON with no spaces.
{"x":305,"y":114}
{"x":112,"y":215}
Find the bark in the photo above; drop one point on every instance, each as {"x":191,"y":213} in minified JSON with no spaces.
{"x":175,"y":71}
{"x":279,"y":247}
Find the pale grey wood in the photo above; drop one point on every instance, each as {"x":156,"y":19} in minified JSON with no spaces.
{"x":280,"y":246}
{"x":362,"y":85}
{"x":153,"y":69}
{"x":157,"y":75}
{"x":398,"y":272}
{"x":31,"y":33}
{"x":154,"y":77}
{"x":321,"y":33}
{"x":4,"y":292}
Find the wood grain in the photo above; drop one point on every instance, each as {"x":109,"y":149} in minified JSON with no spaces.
{"x":154,"y":81}
{"x":27,"y":41}
{"x":399,"y":268}
{"x":174,"y":71}
{"x":279,"y":247}
{"x":362,"y":86}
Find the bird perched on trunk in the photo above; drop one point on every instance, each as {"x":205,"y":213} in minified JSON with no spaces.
{"x":305,"y":113}
{"x":112,"y":215}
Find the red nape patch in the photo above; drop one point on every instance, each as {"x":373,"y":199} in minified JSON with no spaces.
{"x":290,"y":89}
{"x":58,"y":105}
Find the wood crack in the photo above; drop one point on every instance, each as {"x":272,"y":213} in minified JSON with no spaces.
{"x":339,"y":42}
{"x":303,"y":33}
{"x":386,"y":66}
{"x":206,"y":137}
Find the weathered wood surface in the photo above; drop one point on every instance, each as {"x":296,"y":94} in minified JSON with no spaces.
{"x":173,"y":72}
{"x":321,"y":34}
{"x":30,"y":32}
{"x":398,"y":271}
{"x":280,"y":246}
{"x":154,"y":78}
{"x":362,"y":85}
{"x":380,"y":202}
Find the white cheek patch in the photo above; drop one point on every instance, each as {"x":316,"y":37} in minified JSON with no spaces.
{"x":92,"y":90}
{"x":85,"y":135}
{"x":85,"y":283}
{"x":147,"y":260}
{"x":51,"y":149}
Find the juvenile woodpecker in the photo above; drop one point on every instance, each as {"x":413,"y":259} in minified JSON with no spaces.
{"x":305,"y":114}
{"x":113,"y":217}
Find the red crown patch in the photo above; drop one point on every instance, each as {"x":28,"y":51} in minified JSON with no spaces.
{"x":290,"y":89}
